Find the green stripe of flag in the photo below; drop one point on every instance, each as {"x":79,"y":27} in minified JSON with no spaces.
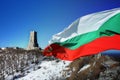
{"x":109,"y":28}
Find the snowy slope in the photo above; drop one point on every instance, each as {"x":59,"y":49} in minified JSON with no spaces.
{"x":50,"y":70}
{"x":19,"y":64}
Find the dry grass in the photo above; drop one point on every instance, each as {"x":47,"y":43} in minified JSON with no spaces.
{"x":16,"y":60}
{"x":92,"y":72}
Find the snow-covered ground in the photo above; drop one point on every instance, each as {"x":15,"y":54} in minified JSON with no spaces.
{"x":84,"y":67}
{"x":49,"y":70}
{"x":3,"y":48}
{"x":19,"y":64}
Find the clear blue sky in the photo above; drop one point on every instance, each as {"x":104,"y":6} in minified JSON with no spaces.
{"x":47,"y":17}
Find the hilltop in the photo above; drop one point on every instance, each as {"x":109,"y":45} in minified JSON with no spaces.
{"x":20,"y":64}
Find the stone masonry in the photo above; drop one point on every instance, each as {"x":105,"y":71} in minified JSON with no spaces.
{"x":33,"y":44}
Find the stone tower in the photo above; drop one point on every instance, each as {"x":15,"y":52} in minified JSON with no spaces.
{"x":33,"y":44}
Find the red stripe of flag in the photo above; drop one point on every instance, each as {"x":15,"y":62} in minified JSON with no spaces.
{"x":96,"y":46}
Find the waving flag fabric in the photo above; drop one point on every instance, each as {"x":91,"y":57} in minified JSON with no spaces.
{"x":90,"y":34}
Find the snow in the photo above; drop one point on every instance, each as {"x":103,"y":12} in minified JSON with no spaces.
{"x":3,"y":48}
{"x":11,"y":77}
{"x":50,"y":70}
{"x":94,"y":63}
{"x":84,"y":67}
{"x":29,"y":67}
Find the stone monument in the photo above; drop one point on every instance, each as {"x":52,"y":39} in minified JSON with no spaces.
{"x":33,"y":44}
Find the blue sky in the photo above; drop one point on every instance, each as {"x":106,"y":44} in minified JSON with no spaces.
{"x":47,"y":17}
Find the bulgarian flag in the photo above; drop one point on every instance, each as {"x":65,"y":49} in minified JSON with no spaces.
{"x":88,"y":35}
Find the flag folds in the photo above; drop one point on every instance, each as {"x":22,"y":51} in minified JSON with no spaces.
{"x":90,"y":34}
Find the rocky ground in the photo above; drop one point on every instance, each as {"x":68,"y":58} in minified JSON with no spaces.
{"x":95,"y":67}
